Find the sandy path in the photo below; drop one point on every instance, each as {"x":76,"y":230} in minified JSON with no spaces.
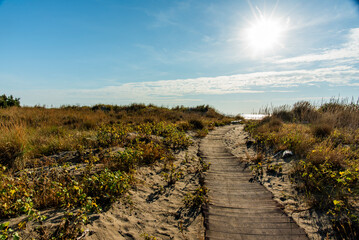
{"x":239,"y":207}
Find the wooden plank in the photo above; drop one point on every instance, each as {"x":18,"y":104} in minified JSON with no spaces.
{"x":240,"y":207}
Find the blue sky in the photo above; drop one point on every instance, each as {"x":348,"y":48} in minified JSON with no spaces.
{"x":171,"y":53}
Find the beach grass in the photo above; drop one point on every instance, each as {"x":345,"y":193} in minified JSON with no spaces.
{"x":82,"y":159}
{"x":325,"y":142}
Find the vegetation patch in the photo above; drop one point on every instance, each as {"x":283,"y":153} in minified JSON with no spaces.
{"x":79,"y":160}
{"x":325,"y":144}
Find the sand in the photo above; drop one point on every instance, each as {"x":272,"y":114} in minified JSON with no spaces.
{"x":155,"y":209}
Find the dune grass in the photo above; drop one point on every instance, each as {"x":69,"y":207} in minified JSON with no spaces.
{"x":325,"y":141}
{"x":85,"y":172}
{"x":29,"y":133}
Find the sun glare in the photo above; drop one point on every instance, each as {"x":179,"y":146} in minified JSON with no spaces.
{"x":265,"y":33}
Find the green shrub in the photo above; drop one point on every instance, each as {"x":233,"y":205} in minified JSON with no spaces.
{"x":172,"y":176}
{"x":183,"y":126}
{"x":107,"y":186}
{"x":10,"y":101}
{"x":330,"y":183}
{"x":201,"y":133}
{"x":196,"y":199}
{"x":126,"y":160}
{"x":60,"y":189}
{"x":112,"y":135}
{"x":152,"y":152}
{"x":326,"y":170}
{"x":295,"y":137}
{"x":173,"y":137}
{"x":6,"y":232}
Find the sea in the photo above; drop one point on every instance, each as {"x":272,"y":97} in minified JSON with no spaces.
{"x":253,"y":116}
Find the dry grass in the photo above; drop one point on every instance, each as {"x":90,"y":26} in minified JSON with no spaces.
{"x":297,"y":138}
{"x":33,"y":132}
{"x":86,"y":173}
{"x":325,"y":140}
{"x":13,"y":143}
{"x":322,"y":130}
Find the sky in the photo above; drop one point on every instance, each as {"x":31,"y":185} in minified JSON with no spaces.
{"x":235,"y":55}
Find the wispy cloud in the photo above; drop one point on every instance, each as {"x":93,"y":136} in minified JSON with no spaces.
{"x":168,"y":17}
{"x":349,"y":51}
{"x":189,"y":91}
{"x":164,"y":19}
{"x":240,"y":83}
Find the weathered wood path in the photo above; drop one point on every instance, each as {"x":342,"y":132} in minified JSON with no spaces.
{"x":238,"y":208}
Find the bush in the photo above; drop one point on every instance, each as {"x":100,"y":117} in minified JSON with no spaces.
{"x":201,"y":133}
{"x":106,"y":186}
{"x":126,"y":160}
{"x":15,"y":197}
{"x":196,"y":124}
{"x":171,"y":136}
{"x":183,"y":126}
{"x":304,"y":112}
{"x":296,"y":138}
{"x":112,"y":135}
{"x":151,"y":153}
{"x":331,"y":107}
{"x":342,"y":115}
{"x":329,"y":180}
{"x":284,"y":115}
{"x":9,"y":101}
{"x":322,"y":130}
{"x":275,"y":124}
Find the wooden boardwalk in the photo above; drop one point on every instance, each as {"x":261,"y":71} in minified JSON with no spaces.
{"x":238,"y":208}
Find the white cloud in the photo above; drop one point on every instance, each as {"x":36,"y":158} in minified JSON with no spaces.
{"x":188,"y":91}
{"x":349,"y":51}
{"x":240,"y":83}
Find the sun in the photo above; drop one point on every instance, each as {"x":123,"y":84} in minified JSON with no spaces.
{"x":265,"y":33}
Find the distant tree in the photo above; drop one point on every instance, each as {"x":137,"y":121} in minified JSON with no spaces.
{"x":10,"y":101}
